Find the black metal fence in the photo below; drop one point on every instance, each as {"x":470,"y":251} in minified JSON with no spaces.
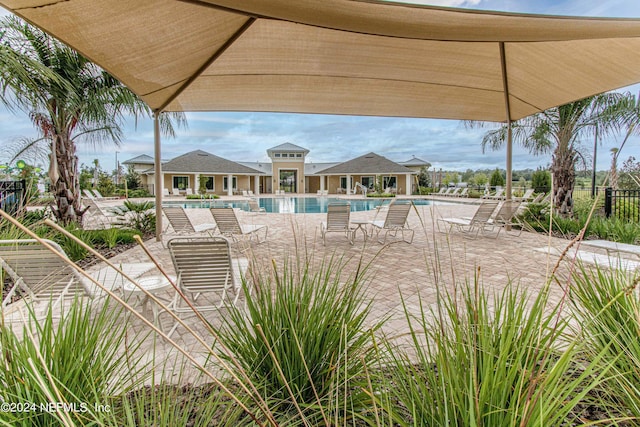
{"x":12,"y":196}
{"x":623,"y":204}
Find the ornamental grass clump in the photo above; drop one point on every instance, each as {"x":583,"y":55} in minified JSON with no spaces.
{"x":606,"y":305}
{"x":81,"y":359}
{"x":494,"y":361}
{"x":303,"y":343}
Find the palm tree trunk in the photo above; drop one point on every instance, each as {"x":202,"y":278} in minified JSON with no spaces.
{"x":66,"y":189}
{"x":564,"y":176}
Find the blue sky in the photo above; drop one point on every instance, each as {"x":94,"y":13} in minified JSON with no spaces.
{"x":447,"y":144}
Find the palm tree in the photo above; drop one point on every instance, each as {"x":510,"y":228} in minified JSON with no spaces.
{"x":69,"y":100}
{"x":560,"y":129}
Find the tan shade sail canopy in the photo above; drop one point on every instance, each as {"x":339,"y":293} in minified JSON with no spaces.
{"x":343,"y":56}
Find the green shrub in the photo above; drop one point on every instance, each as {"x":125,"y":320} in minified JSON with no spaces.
{"x":496,"y":179}
{"x":381,"y":195}
{"x":483,"y":362}
{"x":138,"y":216}
{"x":78,"y":359}
{"x":541,"y":181}
{"x":606,"y":306}
{"x":623,"y":231}
{"x":302,"y":341}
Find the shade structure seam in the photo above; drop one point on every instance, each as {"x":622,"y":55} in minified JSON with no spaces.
{"x":207,"y":63}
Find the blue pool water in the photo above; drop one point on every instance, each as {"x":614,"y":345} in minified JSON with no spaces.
{"x":291,"y":204}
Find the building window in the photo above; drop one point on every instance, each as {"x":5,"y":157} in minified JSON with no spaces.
{"x":209,"y":183}
{"x":343,"y":182}
{"x":292,"y":155}
{"x":368,"y":182}
{"x":389,"y":182}
{"x":276,"y":155}
{"x":181,"y":182}
{"x":225,"y":183}
{"x":299,"y":155}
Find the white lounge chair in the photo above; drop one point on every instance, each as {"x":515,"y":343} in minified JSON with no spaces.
{"x":479,"y":221}
{"x":99,"y":196}
{"x":526,"y":197}
{"x":102,"y":214}
{"x":337,"y":221}
{"x":89,"y":194}
{"x":165,"y":192}
{"x":255,"y":207}
{"x":205,"y":273}
{"x":181,"y":223}
{"x":228,"y":225}
{"x":43,"y":276}
{"x":394,"y":222}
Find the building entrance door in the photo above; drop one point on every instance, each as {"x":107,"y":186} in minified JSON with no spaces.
{"x":288,"y":181}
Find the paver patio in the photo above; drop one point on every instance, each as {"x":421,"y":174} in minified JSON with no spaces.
{"x":420,"y":271}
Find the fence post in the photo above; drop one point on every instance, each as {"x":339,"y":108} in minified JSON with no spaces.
{"x":608,"y":192}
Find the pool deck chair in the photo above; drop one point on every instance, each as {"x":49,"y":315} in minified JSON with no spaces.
{"x":205,"y":273}
{"x":181,"y":223}
{"x":255,"y":207}
{"x":395,"y":221}
{"x":228,"y":225}
{"x":506,"y":216}
{"x":99,"y":196}
{"x":41,"y":275}
{"x":526,"y":197}
{"x":479,"y":221}
{"x":337,"y":221}
{"x":100,"y":213}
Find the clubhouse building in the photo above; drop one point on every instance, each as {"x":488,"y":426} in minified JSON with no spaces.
{"x":287,"y":171}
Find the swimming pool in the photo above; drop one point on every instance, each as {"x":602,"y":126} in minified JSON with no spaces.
{"x":291,"y":204}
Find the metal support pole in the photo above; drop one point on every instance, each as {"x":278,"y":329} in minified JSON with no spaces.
{"x":157,"y":170}
{"x":505,"y":85}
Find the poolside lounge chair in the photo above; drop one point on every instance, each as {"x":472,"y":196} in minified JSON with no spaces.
{"x":44,"y":276}
{"x":99,"y":196}
{"x":394,"y":222}
{"x":181,"y":223}
{"x":441,"y":192}
{"x":526,"y":197}
{"x":463,"y":193}
{"x":455,"y":192}
{"x":105,"y":216}
{"x":499,"y":195}
{"x":250,"y":193}
{"x":206,"y":272}
{"x":337,"y":221}
{"x":506,"y":216}
{"x":175,"y":191}
{"x":165,"y":192}
{"x":255,"y":207}
{"x":89,"y":194}
{"x":479,"y":221}
{"x":228,"y":225}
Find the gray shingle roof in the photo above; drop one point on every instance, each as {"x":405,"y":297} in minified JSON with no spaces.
{"x":202,"y":162}
{"x":142,"y":159}
{"x":289,"y":147}
{"x":414,"y":161}
{"x":371,"y":163}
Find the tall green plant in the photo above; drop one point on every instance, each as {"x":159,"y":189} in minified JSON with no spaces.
{"x":607,"y":308}
{"x":303,"y":342}
{"x":487,"y":362}
{"x":80,"y":360}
